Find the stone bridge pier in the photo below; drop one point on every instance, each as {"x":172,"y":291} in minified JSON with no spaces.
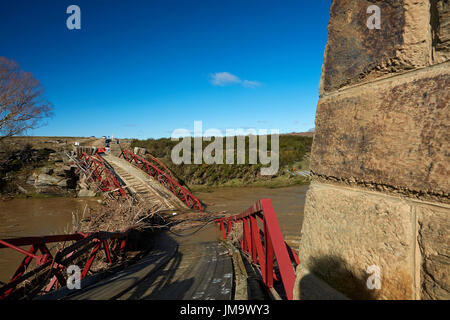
{"x":378,"y":207}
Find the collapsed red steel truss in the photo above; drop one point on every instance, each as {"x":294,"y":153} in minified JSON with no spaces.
{"x":161,"y":165}
{"x":53,"y":265}
{"x":99,"y":172}
{"x":263,"y":242}
{"x":180,"y":192}
{"x":48,"y":273}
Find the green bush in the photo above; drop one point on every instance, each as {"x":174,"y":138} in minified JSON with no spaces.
{"x":293,"y":151}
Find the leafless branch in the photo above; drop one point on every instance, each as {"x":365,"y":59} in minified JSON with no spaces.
{"x":22,"y":102}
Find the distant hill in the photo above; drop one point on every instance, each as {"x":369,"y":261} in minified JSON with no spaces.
{"x":306,"y":134}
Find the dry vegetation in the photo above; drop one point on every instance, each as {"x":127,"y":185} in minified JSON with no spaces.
{"x":117,"y":215}
{"x":294,"y":154}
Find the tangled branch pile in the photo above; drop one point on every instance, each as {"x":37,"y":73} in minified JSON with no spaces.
{"x":116,"y":215}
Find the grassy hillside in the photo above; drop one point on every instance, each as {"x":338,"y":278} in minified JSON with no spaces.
{"x":294,"y":153}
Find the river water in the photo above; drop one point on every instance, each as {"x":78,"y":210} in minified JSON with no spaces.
{"x":34,"y":217}
{"x":288,"y":203}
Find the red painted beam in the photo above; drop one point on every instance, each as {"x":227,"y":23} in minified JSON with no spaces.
{"x":274,"y":245}
{"x":55,"y":266}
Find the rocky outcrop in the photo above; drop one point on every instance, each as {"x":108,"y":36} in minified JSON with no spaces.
{"x":43,"y":180}
{"x":41,"y":171}
{"x":85,"y":189}
{"x":60,"y":179}
{"x":86,"y":193}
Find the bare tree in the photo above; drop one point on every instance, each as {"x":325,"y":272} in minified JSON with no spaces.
{"x":22,"y":102}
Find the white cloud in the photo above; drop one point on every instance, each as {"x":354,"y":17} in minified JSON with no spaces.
{"x":225,"y":78}
{"x":250,"y":84}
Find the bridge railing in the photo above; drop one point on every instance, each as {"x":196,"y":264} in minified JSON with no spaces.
{"x":161,"y":166}
{"x":165,"y":179}
{"x":48,"y":273}
{"x":100,"y":173}
{"x":263,"y":241}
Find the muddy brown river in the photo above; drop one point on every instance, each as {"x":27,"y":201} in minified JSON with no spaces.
{"x":34,"y":217}
{"x":288,"y":203}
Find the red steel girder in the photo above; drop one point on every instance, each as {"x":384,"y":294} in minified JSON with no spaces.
{"x":265,"y":243}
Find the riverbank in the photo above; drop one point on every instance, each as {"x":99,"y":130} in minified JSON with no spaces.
{"x":275,"y":183}
{"x":36,"y":168}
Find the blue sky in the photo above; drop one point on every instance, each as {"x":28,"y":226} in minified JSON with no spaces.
{"x":144,"y":68}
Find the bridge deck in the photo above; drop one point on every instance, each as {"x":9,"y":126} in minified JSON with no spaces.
{"x":178,"y":267}
{"x":195,"y":267}
{"x":142,"y":185}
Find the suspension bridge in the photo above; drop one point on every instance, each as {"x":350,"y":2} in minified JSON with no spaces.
{"x":242,"y":256}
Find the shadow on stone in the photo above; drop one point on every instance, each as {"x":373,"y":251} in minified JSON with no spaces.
{"x":330,"y":278}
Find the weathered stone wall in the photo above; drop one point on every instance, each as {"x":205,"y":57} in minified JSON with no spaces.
{"x":440,"y":22}
{"x":380,"y":156}
{"x":393,"y":133}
